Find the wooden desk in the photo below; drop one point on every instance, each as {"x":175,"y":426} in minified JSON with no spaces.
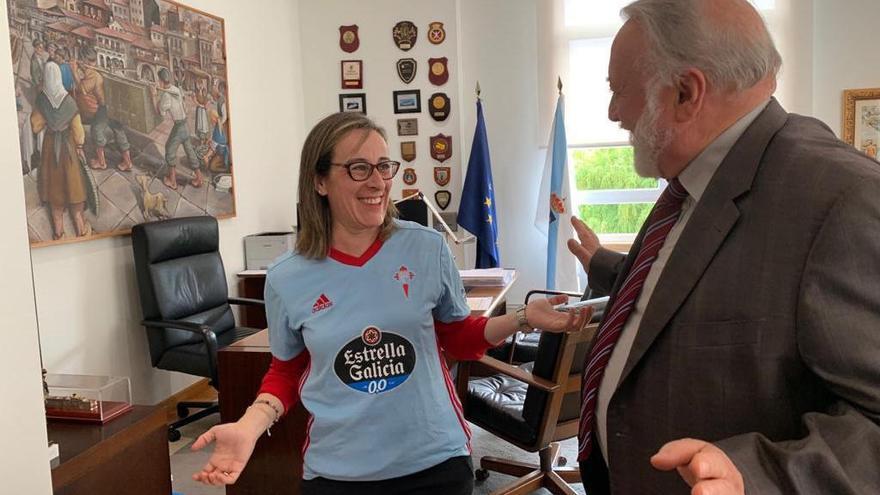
{"x":127,"y":455}
{"x":276,"y":464}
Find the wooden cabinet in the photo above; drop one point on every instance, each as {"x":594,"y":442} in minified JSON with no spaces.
{"x":126,"y":455}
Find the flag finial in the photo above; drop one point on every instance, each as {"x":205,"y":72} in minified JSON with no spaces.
{"x":478,"y":90}
{"x":559,"y":84}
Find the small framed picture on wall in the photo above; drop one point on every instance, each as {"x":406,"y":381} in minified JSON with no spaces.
{"x":353,"y":102}
{"x":861,"y":120}
{"x":407,"y":101}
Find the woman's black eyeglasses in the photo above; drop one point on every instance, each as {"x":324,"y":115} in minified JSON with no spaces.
{"x":361,"y":170}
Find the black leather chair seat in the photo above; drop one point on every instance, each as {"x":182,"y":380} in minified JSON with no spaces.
{"x":190,"y":358}
{"x":498,"y":400}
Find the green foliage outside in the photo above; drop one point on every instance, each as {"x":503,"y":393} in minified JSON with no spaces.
{"x":615,"y":219}
{"x":607,"y":168}
{"x":610,"y":168}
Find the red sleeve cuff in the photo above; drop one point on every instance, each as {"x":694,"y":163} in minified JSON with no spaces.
{"x":464,"y":340}
{"x":284,"y":378}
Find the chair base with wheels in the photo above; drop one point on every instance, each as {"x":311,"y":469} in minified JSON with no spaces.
{"x":550,"y":473}
{"x":207,"y":409}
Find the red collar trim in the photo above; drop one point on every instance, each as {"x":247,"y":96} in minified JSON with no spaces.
{"x":361,"y":260}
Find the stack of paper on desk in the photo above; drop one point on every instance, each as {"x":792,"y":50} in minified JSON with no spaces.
{"x":486,"y":277}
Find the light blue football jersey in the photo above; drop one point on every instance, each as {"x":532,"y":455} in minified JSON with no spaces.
{"x":381,"y":399}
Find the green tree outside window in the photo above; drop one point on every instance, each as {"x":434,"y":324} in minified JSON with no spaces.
{"x":604,"y":169}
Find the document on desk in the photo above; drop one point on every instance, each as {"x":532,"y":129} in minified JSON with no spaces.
{"x":486,"y":277}
{"x":479,"y":303}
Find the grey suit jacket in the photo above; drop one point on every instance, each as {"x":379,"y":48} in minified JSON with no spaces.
{"x":763,"y":332}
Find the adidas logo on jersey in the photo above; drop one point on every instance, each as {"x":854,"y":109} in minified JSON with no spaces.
{"x":321,"y":303}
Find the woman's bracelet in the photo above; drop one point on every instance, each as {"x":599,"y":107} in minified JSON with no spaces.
{"x":274,"y":408}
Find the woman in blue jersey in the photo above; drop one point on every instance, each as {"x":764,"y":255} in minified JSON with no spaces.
{"x":360,"y":316}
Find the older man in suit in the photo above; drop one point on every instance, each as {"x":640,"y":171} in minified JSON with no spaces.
{"x":741,"y":349}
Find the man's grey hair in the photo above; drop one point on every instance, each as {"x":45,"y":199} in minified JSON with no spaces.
{"x":680,"y":36}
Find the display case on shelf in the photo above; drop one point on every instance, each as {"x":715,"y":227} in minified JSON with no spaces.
{"x":87,"y":398}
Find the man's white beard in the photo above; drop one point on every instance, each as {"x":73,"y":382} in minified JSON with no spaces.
{"x":647,"y":138}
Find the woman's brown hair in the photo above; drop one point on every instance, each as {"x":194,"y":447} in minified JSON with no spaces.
{"x":315,"y":221}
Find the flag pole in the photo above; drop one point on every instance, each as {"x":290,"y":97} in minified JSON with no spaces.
{"x":559,"y":84}
{"x":478,"y":90}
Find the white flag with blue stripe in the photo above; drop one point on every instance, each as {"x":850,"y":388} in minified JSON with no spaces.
{"x":553,"y":217}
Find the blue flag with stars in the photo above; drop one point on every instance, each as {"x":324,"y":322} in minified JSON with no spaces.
{"x":476,"y":212}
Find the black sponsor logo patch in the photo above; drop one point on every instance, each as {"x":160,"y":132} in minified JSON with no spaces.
{"x":375,"y":362}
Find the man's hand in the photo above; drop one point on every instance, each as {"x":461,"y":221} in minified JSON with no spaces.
{"x":704,"y":467}
{"x":588,"y":245}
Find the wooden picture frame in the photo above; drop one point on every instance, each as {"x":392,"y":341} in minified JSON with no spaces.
{"x":353,"y":102}
{"x":164,"y":51}
{"x":861,"y":120}
{"x":408,"y":101}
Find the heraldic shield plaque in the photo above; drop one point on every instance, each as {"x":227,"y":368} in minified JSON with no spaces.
{"x":438,"y":73}
{"x":442,"y":198}
{"x":405,"y":34}
{"x":441,"y":147}
{"x":408,"y":150}
{"x":442,"y":175}
{"x":348,"y":38}
{"x":406,"y":69}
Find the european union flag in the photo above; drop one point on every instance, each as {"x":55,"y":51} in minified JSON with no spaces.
{"x":476,"y":212}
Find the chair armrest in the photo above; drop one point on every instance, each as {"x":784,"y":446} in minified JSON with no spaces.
{"x":197,"y":328}
{"x":200,"y":329}
{"x":530,"y":293}
{"x":246,"y":301}
{"x":519,"y":374}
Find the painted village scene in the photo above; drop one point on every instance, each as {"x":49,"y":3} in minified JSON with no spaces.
{"x":122,"y":115}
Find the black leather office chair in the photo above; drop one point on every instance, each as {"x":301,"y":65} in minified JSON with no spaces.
{"x":522,"y":348}
{"x":532,"y":406}
{"x":182,"y":287}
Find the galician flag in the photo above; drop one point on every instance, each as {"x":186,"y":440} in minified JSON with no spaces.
{"x":553,"y":217}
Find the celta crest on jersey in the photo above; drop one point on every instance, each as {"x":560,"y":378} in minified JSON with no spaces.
{"x":404,"y":276}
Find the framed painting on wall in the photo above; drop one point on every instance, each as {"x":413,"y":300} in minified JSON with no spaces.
{"x":861,"y":119}
{"x":123,"y":115}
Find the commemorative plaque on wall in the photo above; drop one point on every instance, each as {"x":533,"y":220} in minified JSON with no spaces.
{"x":406,"y":69}
{"x":407,"y":127}
{"x":408,"y":150}
{"x":441,"y":147}
{"x":438,"y":72}
{"x":352,"y":74}
{"x":348,"y":38}
{"x":436,"y":33}
{"x":442,"y":198}
{"x":409,"y":176}
{"x":439,"y":104}
{"x":442,"y":175}
{"x":405,"y":34}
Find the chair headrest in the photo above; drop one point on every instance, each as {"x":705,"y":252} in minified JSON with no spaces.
{"x":176,"y":237}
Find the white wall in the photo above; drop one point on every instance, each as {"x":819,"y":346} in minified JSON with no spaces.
{"x":24,"y":466}
{"x":319,"y":36}
{"x":844,"y":47}
{"x":499,"y":48}
{"x":87,"y":300}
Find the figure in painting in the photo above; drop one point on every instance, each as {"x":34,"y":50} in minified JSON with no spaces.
{"x":171,"y":102}
{"x":93,"y":110}
{"x":219,"y":142}
{"x":63,"y":181}
{"x":869,"y":147}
